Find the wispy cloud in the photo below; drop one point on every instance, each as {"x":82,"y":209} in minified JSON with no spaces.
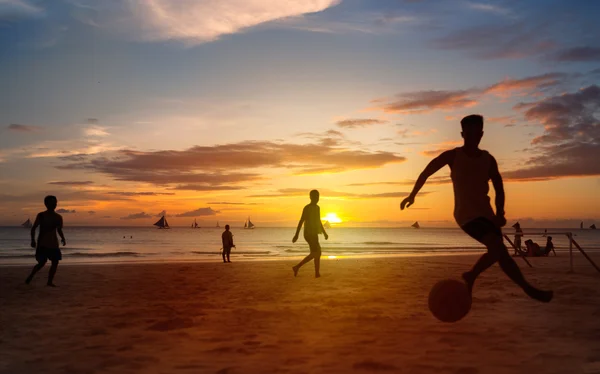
{"x":361,"y":122}
{"x":295,"y":192}
{"x":141,"y":215}
{"x":189,"y":168}
{"x":194,"y":22}
{"x":199,"y":212}
{"x":23,"y":128}
{"x":17,"y":9}
{"x":145,"y":193}
{"x":490,"y":8}
{"x":65,"y":211}
{"x":421,"y":101}
{"x":574,"y":54}
{"x":71,"y":183}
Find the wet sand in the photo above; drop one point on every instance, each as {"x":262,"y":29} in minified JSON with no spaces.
{"x":364,"y":315}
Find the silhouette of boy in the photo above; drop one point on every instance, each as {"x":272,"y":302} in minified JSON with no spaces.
{"x":227,"y":238}
{"x":47,"y":247}
{"x":311,"y":218}
{"x":470,"y":170}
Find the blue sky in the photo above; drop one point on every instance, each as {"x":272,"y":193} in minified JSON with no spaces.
{"x":86,"y":83}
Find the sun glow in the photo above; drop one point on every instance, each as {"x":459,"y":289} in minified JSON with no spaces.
{"x":332,"y":218}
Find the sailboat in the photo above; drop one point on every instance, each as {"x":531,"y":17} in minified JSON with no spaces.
{"x":162,"y":223}
{"x":218,"y":224}
{"x":248,"y":224}
{"x":327,"y":225}
{"x":416,"y":225}
{"x":593,"y":227}
{"x":27,"y":224}
{"x":195,"y":225}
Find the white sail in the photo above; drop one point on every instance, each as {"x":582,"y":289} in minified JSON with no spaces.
{"x":27,"y":224}
{"x":327,"y":225}
{"x":218,"y":224}
{"x":416,"y":225}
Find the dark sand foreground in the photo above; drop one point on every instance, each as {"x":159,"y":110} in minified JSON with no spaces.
{"x":362,"y":316}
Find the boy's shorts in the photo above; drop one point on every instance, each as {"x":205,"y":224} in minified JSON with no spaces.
{"x":481,"y":227}
{"x":313,"y":244}
{"x":43,"y":254}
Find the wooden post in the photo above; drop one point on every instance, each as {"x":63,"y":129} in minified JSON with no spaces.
{"x":585,"y":254}
{"x":570,"y":235}
{"x":520,"y":254}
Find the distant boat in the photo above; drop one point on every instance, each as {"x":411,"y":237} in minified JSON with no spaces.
{"x":248,"y":224}
{"x":593,"y":227}
{"x":327,"y":225}
{"x":195,"y":225}
{"x":581,"y":225}
{"x":218,"y":224}
{"x":27,"y":224}
{"x":416,"y":225}
{"x":162,"y":223}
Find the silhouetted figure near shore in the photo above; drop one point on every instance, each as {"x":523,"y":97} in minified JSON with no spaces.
{"x":518,"y":236}
{"x":47,"y":247}
{"x":470,"y":170}
{"x":227,"y":238}
{"x":311,"y":218}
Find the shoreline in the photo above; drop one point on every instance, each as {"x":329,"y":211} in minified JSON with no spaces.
{"x":363,"y":315}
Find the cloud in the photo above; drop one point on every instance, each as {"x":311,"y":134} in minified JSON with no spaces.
{"x":570,"y":144}
{"x":508,"y":86}
{"x":91,"y":212}
{"x":406,"y":182}
{"x":428,"y":101}
{"x":199,"y":187}
{"x":96,"y":131}
{"x":18,"y":9}
{"x":231,"y":203}
{"x":194,"y":22}
{"x":575,"y":54}
{"x":354,"y":123}
{"x":199,"y":212}
{"x":22,"y":128}
{"x":202,"y":167}
{"x":437,"y":149}
{"x":295,"y":192}
{"x":509,"y":40}
{"x":422,"y":101}
{"x":65,"y":211}
{"x":490,"y":8}
{"x":141,"y":215}
{"x":127,"y":193}
{"x":72,"y":183}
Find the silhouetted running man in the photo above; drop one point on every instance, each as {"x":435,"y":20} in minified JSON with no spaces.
{"x":47,"y":247}
{"x":311,"y":218}
{"x":227,"y":238}
{"x":470,"y":169}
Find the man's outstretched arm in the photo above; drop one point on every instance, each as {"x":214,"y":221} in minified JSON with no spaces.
{"x":499,"y":188}
{"x":435,"y":165}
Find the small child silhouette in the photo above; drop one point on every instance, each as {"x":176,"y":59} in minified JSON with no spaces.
{"x":47,"y":247}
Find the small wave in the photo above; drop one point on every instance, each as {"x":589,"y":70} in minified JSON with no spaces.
{"x":106,"y":254}
{"x":234,"y":253}
{"x":378,"y":243}
{"x":17,"y":256}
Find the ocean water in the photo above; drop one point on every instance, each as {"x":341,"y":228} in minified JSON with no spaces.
{"x":125,"y":244}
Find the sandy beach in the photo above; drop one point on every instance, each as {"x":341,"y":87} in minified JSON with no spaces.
{"x":364,"y":315}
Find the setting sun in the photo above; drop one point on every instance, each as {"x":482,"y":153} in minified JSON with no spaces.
{"x":332,"y":218}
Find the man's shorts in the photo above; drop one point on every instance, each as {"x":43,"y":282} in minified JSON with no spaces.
{"x":313,"y":243}
{"x":481,"y":227}
{"x":43,"y":254}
